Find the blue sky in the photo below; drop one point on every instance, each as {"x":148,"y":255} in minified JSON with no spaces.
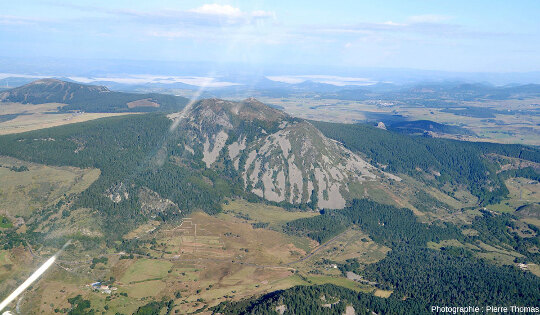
{"x":469,"y":36}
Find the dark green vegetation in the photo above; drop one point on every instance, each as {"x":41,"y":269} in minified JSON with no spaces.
{"x":18,"y":169}
{"x":436,"y":277}
{"x":306,"y":300}
{"x":527,"y":172}
{"x":422,"y":126}
{"x":427,"y":276}
{"x":532,"y":210}
{"x":80,"y":306}
{"x":385,"y":224}
{"x":126,"y":150}
{"x":8,"y":117}
{"x":155,"y":308}
{"x":90,"y":98}
{"x":141,"y":159}
{"x":395,"y":228}
{"x":497,"y":230}
{"x":4,"y":222}
{"x":436,"y":161}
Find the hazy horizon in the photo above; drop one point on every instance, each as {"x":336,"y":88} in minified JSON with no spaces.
{"x":458,"y":36}
{"x":148,"y":71}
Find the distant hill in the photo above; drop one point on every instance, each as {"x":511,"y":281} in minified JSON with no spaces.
{"x":11,"y":82}
{"x":468,"y":92}
{"x":445,"y":94}
{"x":90,"y":98}
{"x":422,"y":126}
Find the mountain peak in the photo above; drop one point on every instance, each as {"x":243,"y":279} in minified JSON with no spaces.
{"x":278,"y":158}
{"x":60,"y":84}
{"x":46,"y":81}
{"x":249,"y":109}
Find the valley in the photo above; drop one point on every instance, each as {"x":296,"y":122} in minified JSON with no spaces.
{"x":518,"y":125}
{"x":269,"y":157}
{"x":228,"y":205}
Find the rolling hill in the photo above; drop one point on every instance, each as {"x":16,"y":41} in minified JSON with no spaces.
{"x":227,"y":206}
{"x":90,"y":98}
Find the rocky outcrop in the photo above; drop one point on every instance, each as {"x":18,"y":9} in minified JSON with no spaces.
{"x":279,"y":158}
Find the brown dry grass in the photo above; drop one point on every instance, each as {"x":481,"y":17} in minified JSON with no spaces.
{"x":41,"y":116}
{"x":142,"y":103}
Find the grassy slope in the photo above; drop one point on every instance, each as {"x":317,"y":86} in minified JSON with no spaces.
{"x":24,"y":192}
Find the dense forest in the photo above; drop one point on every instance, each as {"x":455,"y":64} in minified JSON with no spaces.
{"x":395,"y":227}
{"x":458,"y":163}
{"x":526,"y":172}
{"x":497,"y":230}
{"x":421,"y":126}
{"x":138,"y":151}
{"x":89,"y":98}
{"x":430,"y":276}
{"x":125,"y":150}
{"x":307,"y":300}
{"x":436,"y":277}
{"x":117,"y":102}
{"x":385,"y":224}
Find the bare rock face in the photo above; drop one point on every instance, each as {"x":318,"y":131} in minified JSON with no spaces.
{"x":151,"y":202}
{"x":279,"y":158}
{"x":117,"y":192}
{"x":297,"y":160}
{"x":381,"y":125}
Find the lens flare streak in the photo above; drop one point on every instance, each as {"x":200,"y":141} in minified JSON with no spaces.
{"x":41,"y":270}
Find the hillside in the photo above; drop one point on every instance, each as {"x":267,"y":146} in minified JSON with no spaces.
{"x":448,"y":164}
{"x":279,"y":158}
{"x":211,"y":207}
{"x":426,"y":127}
{"x":89,"y":98}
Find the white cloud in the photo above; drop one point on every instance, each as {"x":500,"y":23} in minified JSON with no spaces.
{"x":218,"y":9}
{"x":393,"y":23}
{"x":226,"y":10}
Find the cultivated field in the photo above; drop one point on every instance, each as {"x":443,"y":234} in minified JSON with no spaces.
{"x":201,"y":262}
{"x":26,"y":117}
{"x":514,"y":128}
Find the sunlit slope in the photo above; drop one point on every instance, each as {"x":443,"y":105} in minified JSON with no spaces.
{"x":279,"y":158}
{"x":90,"y":98}
{"x":450,"y":165}
{"x":25,"y":187}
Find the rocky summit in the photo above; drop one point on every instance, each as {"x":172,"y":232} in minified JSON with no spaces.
{"x":279,"y":158}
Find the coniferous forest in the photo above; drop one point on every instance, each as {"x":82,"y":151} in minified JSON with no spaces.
{"x":137,"y":151}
